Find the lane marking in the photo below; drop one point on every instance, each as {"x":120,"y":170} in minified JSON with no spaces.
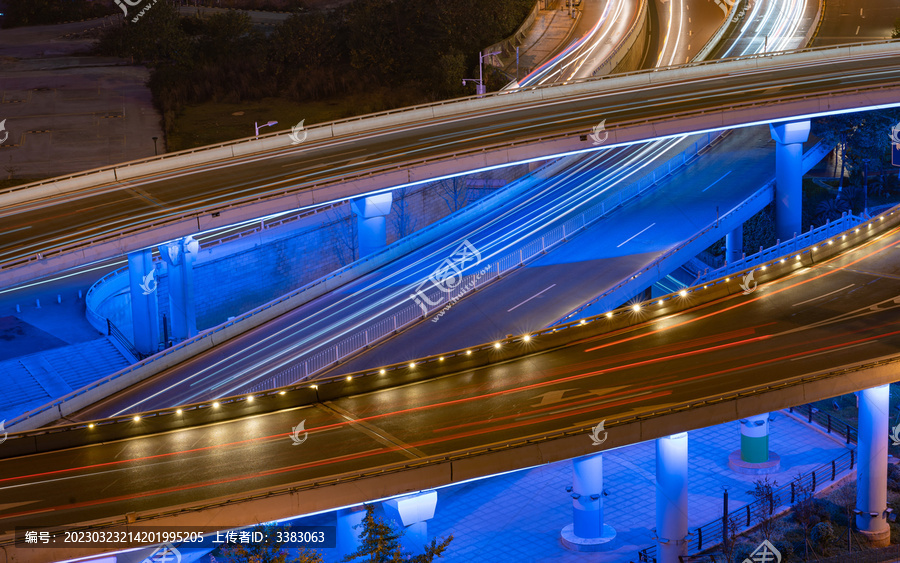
{"x":857,"y":30}
{"x":835,"y":350}
{"x":530,"y":298}
{"x":636,"y":235}
{"x":717,"y":181}
{"x":373,"y":431}
{"x":16,"y":230}
{"x":821,"y":296}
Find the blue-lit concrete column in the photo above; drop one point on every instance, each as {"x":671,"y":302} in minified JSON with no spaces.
{"x":413,"y":513}
{"x":734,"y":245}
{"x":789,"y":139}
{"x":180,"y":255}
{"x":370,"y":220}
{"x":349,"y":527}
{"x":587,"y":532}
{"x":871,"y":476}
{"x":755,"y":438}
{"x":754,"y":457}
{"x":671,"y":497}
{"x":144,"y":308}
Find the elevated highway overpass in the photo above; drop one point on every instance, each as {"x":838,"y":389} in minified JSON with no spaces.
{"x":821,"y":323}
{"x":112,"y":211}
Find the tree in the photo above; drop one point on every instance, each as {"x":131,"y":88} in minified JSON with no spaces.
{"x":380,"y":543}
{"x":766,"y":499}
{"x":805,"y":510}
{"x":264,"y":552}
{"x":454,"y":191}
{"x":404,"y":222}
{"x":896,"y":33}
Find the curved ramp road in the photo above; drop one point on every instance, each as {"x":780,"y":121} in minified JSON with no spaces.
{"x":825,"y":315}
{"x":113,"y":218}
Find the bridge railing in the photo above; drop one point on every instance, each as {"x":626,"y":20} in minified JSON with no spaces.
{"x":715,"y":532}
{"x":847,"y":221}
{"x":765,"y":191}
{"x":279,"y":141}
{"x":312,"y":289}
{"x":437,"y":300}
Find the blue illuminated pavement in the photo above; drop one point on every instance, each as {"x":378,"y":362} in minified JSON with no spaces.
{"x":518,"y":516}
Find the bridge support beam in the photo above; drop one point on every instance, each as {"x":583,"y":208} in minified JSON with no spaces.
{"x":871,"y":476}
{"x":349,"y":527}
{"x":413,"y":512}
{"x":371,"y":212}
{"x":672,"y":497}
{"x":587,"y":532}
{"x":179,"y":256}
{"x":734,"y":245}
{"x":144,"y":306}
{"x":789,"y":139}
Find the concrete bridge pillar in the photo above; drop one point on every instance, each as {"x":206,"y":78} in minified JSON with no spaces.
{"x":412,"y":512}
{"x":180,"y":256}
{"x":588,"y":531}
{"x":789,"y":139}
{"x":349,"y":527}
{"x":734,"y":245}
{"x":371,"y":212}
{"x":871,"y":476}
{"x":142,"y":277}
{"x":671,"y":497}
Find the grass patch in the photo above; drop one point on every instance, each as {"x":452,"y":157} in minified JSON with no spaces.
{"x":216,"y":122}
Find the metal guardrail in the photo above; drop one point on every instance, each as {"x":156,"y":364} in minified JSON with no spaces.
{"x":715,"y":532}
{"x":21,"y":261}
{"x":113,"y":331}
{"x":414,"y":313}
{"x":248,"y":315}
{"x":669,"y":253}
{"x":437,"y":104}
{"x":847,"y":221}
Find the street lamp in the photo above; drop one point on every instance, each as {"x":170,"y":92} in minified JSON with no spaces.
{"x":480,"y":88}
{"x":258,"y":127}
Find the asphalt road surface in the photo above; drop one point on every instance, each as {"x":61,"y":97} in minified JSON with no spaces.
{"x":838,"y":312}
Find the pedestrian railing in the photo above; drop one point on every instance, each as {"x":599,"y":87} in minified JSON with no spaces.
{"x":814,"y":235}
{"x":746,"y":517}
{"x":438,"y":299}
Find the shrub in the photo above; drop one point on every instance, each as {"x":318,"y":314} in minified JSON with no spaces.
{"x":893,"y":477}
{"x":822,"y":536}
{"x":742,"y":551}
{"x":786,"y":549}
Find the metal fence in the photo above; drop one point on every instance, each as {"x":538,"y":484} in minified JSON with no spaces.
{"x":814,"y":235}
{"x":715,"y":532}
{"x":437,"y":299}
